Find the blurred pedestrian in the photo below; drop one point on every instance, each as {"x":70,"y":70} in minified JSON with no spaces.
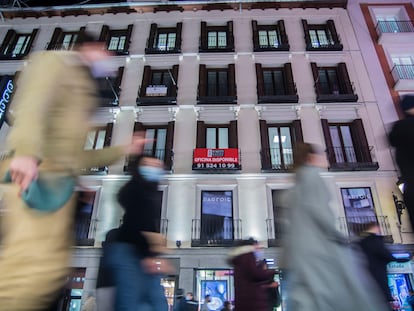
{"x":401,"y":137}
{"x":321,"y":274}
{"x":89,"y":304}
{"x":191,"y":304}
{"x":410,"y":299}
{"x":179,"y":304}
{"x":248,"y":294}
{"x":227,"y":306}
{"x":271,"y":289}
{"x":55,"y":97}
{"x":133,"y":257}
{"x":204,"y":306}
{"x":378,"y":256}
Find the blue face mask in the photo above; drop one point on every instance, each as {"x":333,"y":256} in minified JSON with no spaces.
{"x":151,"y":173}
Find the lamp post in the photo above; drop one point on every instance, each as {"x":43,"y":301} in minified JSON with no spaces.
{"x":399,"y":206}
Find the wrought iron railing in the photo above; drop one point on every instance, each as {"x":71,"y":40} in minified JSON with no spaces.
{"x":351,"y":158}
{"x":85,"y":230}
{"x":163,"y":154}
{"x":277,"y":159}
{"x":220,"y":231}
{"x":394,"y":26}
{"x":403,"y":72}
{"x":355,"y":225}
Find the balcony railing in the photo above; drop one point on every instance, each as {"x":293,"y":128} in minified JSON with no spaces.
{"x":162,"y":50}
{"x":354,"y":226}
{"x":165,"y":155}
{"x":394,"y":26}
{"x":326,"y":92}
{"x":323,"y":46}
{"x":275,"y":47}
{"x":274,"y":228}
{"x":222,"y":231}
{"x":277,"y":159}
{"x":403,"y":72}
{"x":281,"y":95}
{"x":351,"y":159}
{"x":85,"y":229}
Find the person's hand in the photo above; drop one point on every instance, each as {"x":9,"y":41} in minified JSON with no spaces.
{"x":137,"y":143}
{"x":23,"y":170}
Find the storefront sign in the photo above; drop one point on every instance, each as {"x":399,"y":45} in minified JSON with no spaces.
{"x":211,"y":159}
{"x":156,"y":90}
{"x":6,"y":89}
{"x":399,"y":267}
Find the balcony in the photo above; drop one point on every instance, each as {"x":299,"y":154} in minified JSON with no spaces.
{"x":351,"y":159}
{"x":103,"y":170}
{"x":221,"y":99}
{"x":85,"y":229}
{"x":395,"y":32}
{"x":327,"y":93}
{"x":352,"y":227}
{"x":272,"y":160}
{"x":163,"y":50}
{"x":281,"y":96}
{"x":165,"y":155}
{"x":220,"y":232}
{"x":274,"y":230}
{"x":157,"y":95}
{"x":275,"y":47}
{"x":404,"y":77}
{"x":323,"y":46}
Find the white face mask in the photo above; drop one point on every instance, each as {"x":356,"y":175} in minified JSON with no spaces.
{"x":102,"y":68}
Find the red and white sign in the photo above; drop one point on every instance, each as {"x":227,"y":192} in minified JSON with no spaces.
{"x":205,"y":158}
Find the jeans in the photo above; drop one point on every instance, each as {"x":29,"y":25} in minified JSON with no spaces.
{"x":136,"y":290}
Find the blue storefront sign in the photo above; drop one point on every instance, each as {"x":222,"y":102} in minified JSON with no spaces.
{"x":6,"y":91}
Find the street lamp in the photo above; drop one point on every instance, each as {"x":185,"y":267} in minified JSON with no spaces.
{"x":399,"y":206}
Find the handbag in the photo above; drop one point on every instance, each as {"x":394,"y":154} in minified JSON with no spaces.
{"x":49,"y":192}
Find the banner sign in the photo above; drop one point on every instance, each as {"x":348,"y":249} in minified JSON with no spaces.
{"x":6,"y":91}
{"x":156,"y":90}
{"x":212,"y":159}
{"x":399,"y":267}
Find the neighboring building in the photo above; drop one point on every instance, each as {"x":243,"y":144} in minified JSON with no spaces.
{"x":226,"y":90}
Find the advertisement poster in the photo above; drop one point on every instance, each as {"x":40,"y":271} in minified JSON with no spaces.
{"x":358,"y":203}
{"x":217,"y":289}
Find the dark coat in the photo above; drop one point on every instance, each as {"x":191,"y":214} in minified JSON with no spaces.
{"x":378,"y":256}
{"x":248,"y":276}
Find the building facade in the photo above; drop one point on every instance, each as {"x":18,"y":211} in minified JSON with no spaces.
{"x":226,"y":89}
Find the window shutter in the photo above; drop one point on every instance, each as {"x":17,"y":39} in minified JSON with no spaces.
{"x":203,"y":39}
{"x":264,"y":139}
{"x":260,"y":80}
{"x":231,"y":80}
{"x":178,"y":36}
{"x":104,"y":36}
{"x":233,"y":137}
{"x":80,"y":33}
{"x":10,"y":35}
{"x":169,"y":145}
{"x":360,"y":142}
{"x":146,"y":80}
{"x":202,"y":81}
{"x":201,"y":134}
{"x":331,"y":27}
{"x":32,"y":37}
{"x":128,"y":37}
{"x":255,"y":36}
{"x":108,"y":134}
{"x":138,"y":127}
{"x":288,"y":77}
{"x":343,"y":76}
{"x":306,"y":32}
{"x":297,"y":131}
{"x":230,"y":37}
{"x":282,"y":31}
{"x":328,"y":141}
{"x":57,"y":33}
{"x":153,"y":33}
{"x":175,"y":76}
{"x":315,"y":73}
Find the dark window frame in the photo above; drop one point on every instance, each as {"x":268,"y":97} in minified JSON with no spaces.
{"x":203,"y":87}
{"x":153,"y":40}
{"x":205,"y":30}
{"x":279,"y":27}
{"x":56,"y":42}
{"x":332,"y":36}
{"x":7,"y":48}
{"x":109,"y":89}
{"x":202,"y":133}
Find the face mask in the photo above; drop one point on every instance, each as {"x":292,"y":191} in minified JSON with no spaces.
{"x":102,"y":69}
{"x":151,"y":173}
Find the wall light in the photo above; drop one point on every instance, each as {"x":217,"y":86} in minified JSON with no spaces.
{"x":178,"y":243}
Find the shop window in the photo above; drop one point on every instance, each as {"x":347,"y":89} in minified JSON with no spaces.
{"x":347,"y":146}
{"x":164,"y":40}
{"x":278,"y":141}
{"x":217,"y":38}
{"x":217,"y":85}
{"x":270,"y":37}
{"x":275,"y":84}
{"x":16,"y":45}
{"x":117,"y":40}
{"x":159,"y":86}
{"x":321,"y":36}
{"x":332,"y":84}
{"x":160,"y":141}
{"x":64,"y":40}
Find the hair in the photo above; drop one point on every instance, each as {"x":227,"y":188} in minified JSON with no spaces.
{"x":301,"y":154}
{"x":86,"y":37}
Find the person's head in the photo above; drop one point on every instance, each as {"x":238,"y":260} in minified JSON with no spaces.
{"x":207,"y":298}
{"x":147,"y":169}
{"x":308,"y":154}
{"x":407,"y":106}
{"x":179,"y":293}
{"x":189,"y":296}
{"x":373,"y":227}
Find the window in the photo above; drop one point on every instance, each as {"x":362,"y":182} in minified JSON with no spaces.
{"x":84,"y":222}
{"x":217,"y":38}
{"x":160,"y":141}
{"x":109,"y":89}
{"x":217,"y":135}
{"x":159,"y":86}
{"x":275,"y":84}
{"x":269,"y":37}
{"x":332,"y":84}
{"x":117,"y":40}
{"x":64,"y":40}
{"x":164,"y":40}
{"x":218,"y":283}
{"x":403,"y":67}
{"x":16,"y":45}
{"x":347,"y":146}
{"x":278,"y":141}
{"x":321,"y":36}
{"x":217,"y":85}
